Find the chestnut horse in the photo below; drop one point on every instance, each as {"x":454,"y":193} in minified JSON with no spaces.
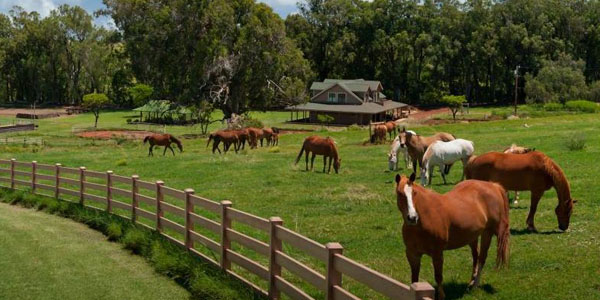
{"x":434,"y":223}
{"x":517,"y":150}
{"x":417,"y":145}
{"x":533,"y":171}
{"x":390,"y":127}
{"x":275,"y":139}
{"x":320,"y":146}
{"x":379,"y":134}
{"x":255,"y":134}
{"x":227,"y":137}
{"x":162,"y":140}
{"x":242,"y":136}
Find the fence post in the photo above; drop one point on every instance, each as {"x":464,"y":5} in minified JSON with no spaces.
{"x":33,"y":175}
{"x":12,"y":173}
{"x":274,"y":246}
{"x":109,"y":191}
{"x":422,"y":290}
{"x":159,"y":200}
{"x":57,"y":180}
{"x":333,"y":277}
{"x":134,"y":199}
{"x":81,"y":184}
{"x":189,"y":226}
{"x":225,"y":242}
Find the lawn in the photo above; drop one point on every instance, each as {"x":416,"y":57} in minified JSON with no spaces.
{"x":48,"y":257}
{"x":357,"y":207}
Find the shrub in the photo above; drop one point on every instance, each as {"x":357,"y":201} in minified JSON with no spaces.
{"x":136,"y":240}
{"x":114,"y":231}
{"x":325,"y":118}
{"x":576,"y":142}
{"x":582,"y":106}
{"x":553,"y":106}
{"x":250,"y":122}
{"x":274,"y":149}
{"x":122,"y":162}
{"x":500,"y":113}
{"x":454,"y":103}
{"x":354,"y":127}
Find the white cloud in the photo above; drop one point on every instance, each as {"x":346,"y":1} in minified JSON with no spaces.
{"x":43,"y":7}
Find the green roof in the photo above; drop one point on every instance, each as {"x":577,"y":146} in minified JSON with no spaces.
{"x":365,"y":108}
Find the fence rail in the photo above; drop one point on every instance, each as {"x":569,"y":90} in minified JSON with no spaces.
{"x":144,"y":202}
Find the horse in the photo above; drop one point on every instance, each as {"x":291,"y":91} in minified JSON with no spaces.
{"x":390,"y":127}
{"x":417,"y":145}
{"x":444,"y":154}
{"x":162,"y":140}
{"x":275,"y":139}
{"x":378,"y":135}
{"x":267,"y":135}
{"x":227,"y":137}
{"x":517,"y":150}
{"x":434,"y":223}
{"x":533,"y":171}
{"x":255,"y":134}
{"x":393,"y":155}
{"x":320,"y":146}
{"x":242,"y":135}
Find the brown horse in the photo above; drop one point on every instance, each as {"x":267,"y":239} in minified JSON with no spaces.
{"x":434,"y":223}
{"x":227,"y":137}
{"x":533,"y":171}
{"x":417,"y":145}
{"x":267,"y":135}
{"x":275,"y":139}
{"x":162,"y":140}
{"x":255,"y":134}
{"x":390,"y":127}
{"x":517,"y":150}
{"x":379,"y":134}
{"x":320,"y":146}
{"x":242,"y":136}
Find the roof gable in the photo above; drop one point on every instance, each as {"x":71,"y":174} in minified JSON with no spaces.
{"x":343,"y":87}
{"x":355,"y":85}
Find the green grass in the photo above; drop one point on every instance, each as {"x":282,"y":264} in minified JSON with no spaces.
{"x":48,"y":257}
{"x":357,"y":207}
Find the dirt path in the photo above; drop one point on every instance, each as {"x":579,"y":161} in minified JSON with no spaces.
{"x":426,"y":114}
{"x":109,"y":134}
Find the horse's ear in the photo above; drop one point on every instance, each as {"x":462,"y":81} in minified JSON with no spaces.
{"x":403,"y":128}
{"x":398,"y":178}
{"x":412,"y":178}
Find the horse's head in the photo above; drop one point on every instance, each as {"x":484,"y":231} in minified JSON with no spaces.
{"x":404,"y":198}
{"x":405,"y":136}
{"x":336,"y":165}
{"x":392,"y":160}
{"x":563,"y":214}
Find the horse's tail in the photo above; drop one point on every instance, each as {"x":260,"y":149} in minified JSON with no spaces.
{"x":299,"y":155}
{"x":503,"y":251}
{"x":210,"y":137}
{"x":147,"y":138}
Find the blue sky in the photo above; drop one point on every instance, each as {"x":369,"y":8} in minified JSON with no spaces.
{"x":282,"y":7}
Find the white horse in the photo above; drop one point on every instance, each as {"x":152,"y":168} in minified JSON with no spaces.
{"x":445,"y":153}
{"x":393,"y":154}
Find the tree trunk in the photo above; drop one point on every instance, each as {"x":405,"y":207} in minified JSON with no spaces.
{"x":96,"y":122}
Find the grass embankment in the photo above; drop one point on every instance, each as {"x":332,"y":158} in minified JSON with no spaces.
{"x":357,"y":207}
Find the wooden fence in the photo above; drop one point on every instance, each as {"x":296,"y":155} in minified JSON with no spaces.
{"x":183,"y":218}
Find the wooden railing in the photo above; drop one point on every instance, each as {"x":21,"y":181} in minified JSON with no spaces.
{"x":181,"y":216}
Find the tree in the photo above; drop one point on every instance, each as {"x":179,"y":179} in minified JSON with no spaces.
{"x":559,"y":81}
{"x":95,"y":102}
{"x":454,"y":103}
{"x":140,"y":93}
{"x":203,"y":113}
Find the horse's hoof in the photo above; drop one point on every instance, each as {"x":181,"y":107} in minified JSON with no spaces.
{"x":532,"y":228}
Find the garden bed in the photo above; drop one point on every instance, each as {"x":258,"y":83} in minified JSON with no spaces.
{"x":109,"y":134}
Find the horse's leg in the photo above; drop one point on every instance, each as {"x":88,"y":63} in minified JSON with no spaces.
{"x":414,"y":260}
{"x":438,"y":268}
{"x":535,"y":199}
{"x":464,"y":161}
{"x":312,"y":161}
{"x":475,"y":256}
{"x":330,"y":160}
{"x":324,"y":163}
{"x":516,"y":200}
{"x":442,"y":167}
{"x":165,"y":150}
{"x":150,"y":150}
{"x":306,"y":159}
{"x":486,"y":240}
{"x":172,"y":151}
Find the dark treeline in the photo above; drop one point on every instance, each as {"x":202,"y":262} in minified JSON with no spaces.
{"x":240,"y":55}
{"x":422,"y":49}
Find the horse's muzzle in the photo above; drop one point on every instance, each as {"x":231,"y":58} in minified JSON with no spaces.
{"x":412,"y":220}
{"x":563,"y":227}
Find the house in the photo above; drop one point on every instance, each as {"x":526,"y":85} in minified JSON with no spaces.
{"x":354,"y":101}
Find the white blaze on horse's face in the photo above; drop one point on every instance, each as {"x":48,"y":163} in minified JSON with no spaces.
{"x":412,"y":216}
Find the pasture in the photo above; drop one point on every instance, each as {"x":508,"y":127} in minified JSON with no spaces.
{"x":358,"y":207}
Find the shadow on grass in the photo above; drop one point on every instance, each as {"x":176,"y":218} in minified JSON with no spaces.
{"x":455,"y":290}
{"x":525,"y":231}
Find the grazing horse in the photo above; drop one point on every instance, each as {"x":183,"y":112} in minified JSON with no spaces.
{"x":275,"y":139}
{"x":393,"y":155}
{"x":267,"y":135}
{"x":242,"y":136}
{"x":390,"y":128}
{"x":227,"y":137}
{"x":434,"y":223}
{"x":320,"y":146}
{"x":444,"y":154}
{"x":379,"y":134}
{"x":517,"y":150}
{"x":254,"y":134}
{"x":533,"y":171}
{"x":417,"y":145}
{"x":162,"y":140}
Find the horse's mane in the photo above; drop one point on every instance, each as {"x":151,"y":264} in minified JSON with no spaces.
{"x":559,"y":179}
{"x":146,"y":138}
{"x":174,"y":139}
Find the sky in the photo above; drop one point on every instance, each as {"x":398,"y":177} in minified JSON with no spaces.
{"x":43,"y":7}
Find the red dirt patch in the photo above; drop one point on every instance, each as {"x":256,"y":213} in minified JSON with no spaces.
{"x":109,"y":134}
{"x":425,"y":114}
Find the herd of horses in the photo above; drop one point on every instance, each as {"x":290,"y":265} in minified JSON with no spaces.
{"x":470,"y":214}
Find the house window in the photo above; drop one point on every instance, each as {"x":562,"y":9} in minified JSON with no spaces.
{"x":331,"y":98}
{"x":341,"y":98}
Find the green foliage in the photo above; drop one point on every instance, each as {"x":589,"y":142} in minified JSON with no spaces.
{"x":114,"y":231}
{"x":95,"y":102}
{"x":323,"y":118}
{"x":594,"y":91}
{"x":274,"y":149}
{"x":552,"y":106}
{"x":557,"y":81}
{"x":122,"y":162}
{"x":140,"y":93}
{"x":576,"y":142}
{"x":454,"y":103}
{"x":137,"y":240}
{"x":252,"y":122}
{"x":582,"y":106}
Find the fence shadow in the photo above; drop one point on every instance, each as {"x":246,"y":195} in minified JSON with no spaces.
{"x":455,"y":290}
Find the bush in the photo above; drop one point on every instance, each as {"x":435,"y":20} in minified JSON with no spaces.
{"x":553,"y":106}
{"x":576,"y":142}
{"x":354,"y":127}
{"x":114,"y":231}
{"x":136,"y":240}
{"x":121,"y":162}
{"x":500,"y":113}
{"x":582,"y":106}
{"x":250,"y":122}
{"x":274,"y":149}
{"x":325,"y":118}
